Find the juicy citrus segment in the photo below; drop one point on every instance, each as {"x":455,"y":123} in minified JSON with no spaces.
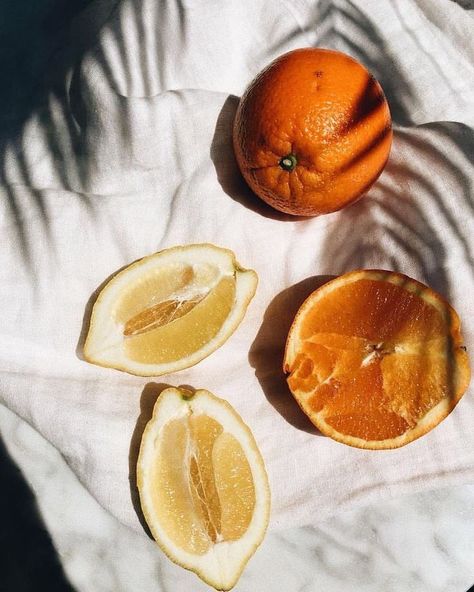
{"x":376,"y":359}
{"x":203,"y":487}
{"x":169,"y":310}
{"x":160,"y":314}
{"x":186,"y":334}
{"x":184,"y":492}
{"x":204,"y":431}
{"x":379,"y":311}
{"x":235,"y":486}
{"x":375,"y":425}
{"x":171,"y":493}
{"x":151,"y":289}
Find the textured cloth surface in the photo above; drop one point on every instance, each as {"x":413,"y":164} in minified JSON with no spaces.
{"x":126,"y":150}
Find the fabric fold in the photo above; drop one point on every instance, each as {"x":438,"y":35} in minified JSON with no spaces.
{"x":128,"y":151}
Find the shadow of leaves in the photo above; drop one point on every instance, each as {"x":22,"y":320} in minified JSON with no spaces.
{"x":59,"y":32}
{"x":468,"y":5}
{"x":412,"y":219}
{"x":342,"y":25}
{"x":354,"y":33}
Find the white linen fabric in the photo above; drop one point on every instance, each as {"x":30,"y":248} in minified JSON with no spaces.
{"x":127,"y":150}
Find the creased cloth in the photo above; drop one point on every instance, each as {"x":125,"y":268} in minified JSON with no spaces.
{"x":127,"y":150}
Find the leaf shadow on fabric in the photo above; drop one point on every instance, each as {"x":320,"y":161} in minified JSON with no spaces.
{"x":45,"y":25}
{"x":29,"y":560}
{"x":343,"y":26}
{"x":468,"y":5}
{"x":412,"y":219}
{"x":12,"y":195}
{"x":148,"y":398}
{"x":59,"y":32}
{"x":348,"y":25}
{"x":407,"y":208}
{"x":267,"y":350}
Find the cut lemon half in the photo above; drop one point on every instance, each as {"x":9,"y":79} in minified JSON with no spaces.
{"x":203,"y":486}
{"x":168,"y":311}
{"x":376,"y":359}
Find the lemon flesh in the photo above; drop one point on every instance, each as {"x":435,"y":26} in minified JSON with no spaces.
{"x":168,"y":311}
{"x":203,"y":486}
{"x":185,"y":333}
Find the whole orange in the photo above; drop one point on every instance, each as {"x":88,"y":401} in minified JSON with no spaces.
{"x":312,"y":132}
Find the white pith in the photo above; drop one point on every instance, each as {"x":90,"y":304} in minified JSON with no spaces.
{"x":105,"y":340}
{"x":222,"y":564}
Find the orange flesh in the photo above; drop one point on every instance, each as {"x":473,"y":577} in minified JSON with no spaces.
{"x":374,"y":358}
{"x":203,"y":490}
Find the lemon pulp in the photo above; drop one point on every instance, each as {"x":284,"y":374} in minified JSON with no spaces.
{"x":203,"y":490}
{"x":174,"y":312}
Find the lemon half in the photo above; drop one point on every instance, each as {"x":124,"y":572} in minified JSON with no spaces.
{"x":169,"y":310}
{"x":203,"y":486}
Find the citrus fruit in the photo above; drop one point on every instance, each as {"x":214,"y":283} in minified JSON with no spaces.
{"x":312,"y":132}
{"x":203,"y":487}
{"x":376,"y":359}
{"x":169,"y":310}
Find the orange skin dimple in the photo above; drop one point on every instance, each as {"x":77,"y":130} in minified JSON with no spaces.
{"x":324,"y":108}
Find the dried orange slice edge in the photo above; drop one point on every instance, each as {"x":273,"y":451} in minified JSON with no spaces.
{"x":376,"y":359}
{"x":169,"y":310}
{"x":203,"y":487}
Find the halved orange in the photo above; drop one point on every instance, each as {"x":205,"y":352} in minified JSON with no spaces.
{"x":376,"y":359}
